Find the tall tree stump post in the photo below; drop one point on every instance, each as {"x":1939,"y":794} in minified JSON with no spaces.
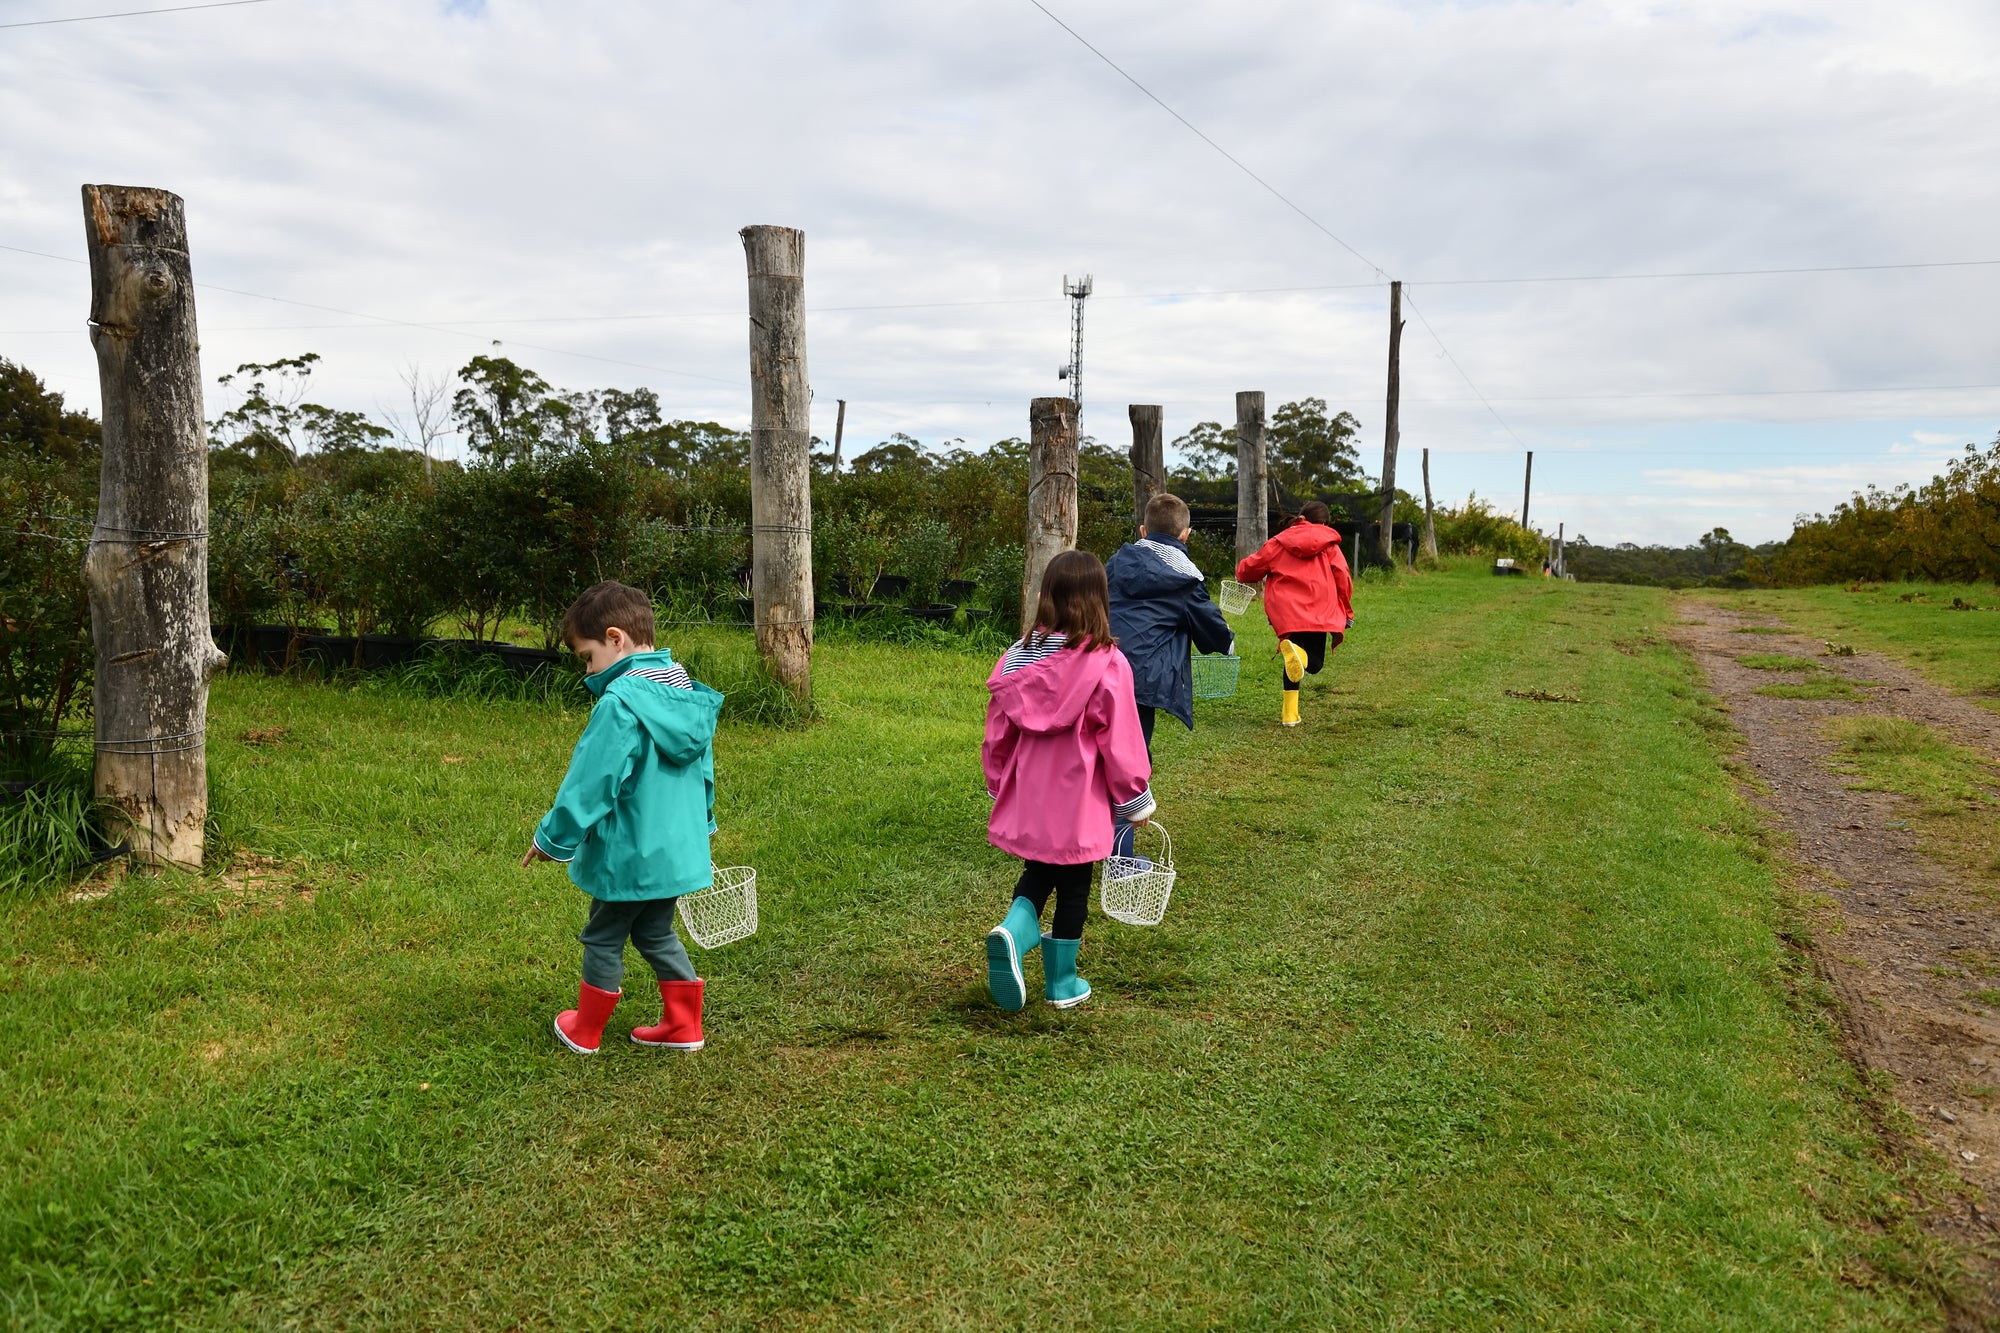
{"x":1430,"y":519}
{"x":1527,"y":488}
{"x":780,"y":455}
{"x":147,"y":565}
{"x":1392,"y":429}
{"x":1253,"y":522}
{"x":1051,"y":494}
{"x":1149,"y":459}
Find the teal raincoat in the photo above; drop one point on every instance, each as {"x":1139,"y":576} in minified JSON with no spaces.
{"x":635,"y":811}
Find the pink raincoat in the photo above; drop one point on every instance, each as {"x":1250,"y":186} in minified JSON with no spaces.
{"x":1063,"y":746}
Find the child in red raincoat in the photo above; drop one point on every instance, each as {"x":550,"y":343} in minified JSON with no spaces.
{"x":1308,"y":596}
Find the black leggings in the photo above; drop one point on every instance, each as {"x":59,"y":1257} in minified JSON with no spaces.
{"x":1072,"y":887}
{"x":1314,"y":643}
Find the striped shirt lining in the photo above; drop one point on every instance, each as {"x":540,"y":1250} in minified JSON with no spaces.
{"x":675,"y":675}
{"x":1023,"y":654}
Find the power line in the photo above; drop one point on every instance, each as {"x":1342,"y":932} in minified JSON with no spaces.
{"x":1286,"y":201}
{"x":134,"y":13}
{"x":1196,"y":131}
{"x":1408,"y":296}
{"x":1713,"y":273}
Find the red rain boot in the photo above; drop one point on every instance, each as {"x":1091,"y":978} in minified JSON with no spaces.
{"x":679,"y":1028}
{"x":582,"y":1028}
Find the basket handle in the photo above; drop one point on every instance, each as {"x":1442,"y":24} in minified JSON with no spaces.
{"x":1166,"y":856}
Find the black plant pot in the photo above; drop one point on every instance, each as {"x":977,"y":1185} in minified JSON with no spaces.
{"x":977,"y":613}
{"x":746,"y":610}
{"x":386,"y":650}
{"x":935,"y":611}
{"x":274,"y":647}
{"x":857,"y":610}
{"x":891,"y":585}
{"x":331,"y":652}
{"x":527,"y":661}
{"x":956,"y":590}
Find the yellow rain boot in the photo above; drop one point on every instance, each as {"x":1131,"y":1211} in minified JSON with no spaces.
{"x":1295,"y":660}
{"x":1290,"y":717}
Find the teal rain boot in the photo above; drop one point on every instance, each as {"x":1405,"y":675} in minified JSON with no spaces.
{"x":1006,"y":945}
{"x":1064,"y":988}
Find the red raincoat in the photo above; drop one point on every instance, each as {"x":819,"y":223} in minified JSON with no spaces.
{"x":1306,"y":583}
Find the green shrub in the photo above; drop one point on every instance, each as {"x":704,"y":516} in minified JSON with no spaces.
{"x":46,"y":656}
{"x":925,"y":553}
{"x":1000,"y":571}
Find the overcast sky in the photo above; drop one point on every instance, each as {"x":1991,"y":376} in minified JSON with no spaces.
{"x":568,"y":178}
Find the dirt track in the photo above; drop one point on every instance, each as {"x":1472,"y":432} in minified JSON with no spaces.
{"x":1910,"y":943}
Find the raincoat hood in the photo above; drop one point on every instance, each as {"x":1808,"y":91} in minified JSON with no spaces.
{"x":679,"y":722}
{"x":1051,"y":695}
{"x":1307,"y":540}
{"x":1154,"y":572}
{"x":636,"y":808}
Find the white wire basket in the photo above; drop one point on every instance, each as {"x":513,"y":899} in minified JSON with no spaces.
{"x":724,"y":912}
{"x":1135,"y":888}
{"x":1215,"y":675}
{"x":1236,"y":597}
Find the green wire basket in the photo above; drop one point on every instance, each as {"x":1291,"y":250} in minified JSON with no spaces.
{"x":1215,"y":675}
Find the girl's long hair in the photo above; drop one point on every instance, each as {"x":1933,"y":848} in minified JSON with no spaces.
{"x":1075,"y":602}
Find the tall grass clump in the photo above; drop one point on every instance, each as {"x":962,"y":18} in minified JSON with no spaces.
{"x":47,"y":827}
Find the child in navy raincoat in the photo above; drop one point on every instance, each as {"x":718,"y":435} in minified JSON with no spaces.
{"x":1160,"y":609}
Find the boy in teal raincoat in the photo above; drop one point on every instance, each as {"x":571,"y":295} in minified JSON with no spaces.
{"x":633,"y":816}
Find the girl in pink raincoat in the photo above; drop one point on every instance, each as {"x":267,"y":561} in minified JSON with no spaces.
{"x":1064,"y":759}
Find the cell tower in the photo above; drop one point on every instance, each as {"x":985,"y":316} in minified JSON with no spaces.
{"x":1078,"y":293}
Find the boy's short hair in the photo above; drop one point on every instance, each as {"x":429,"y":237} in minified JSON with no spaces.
{"x":1167,"y":513}
{"x":603,"y":605}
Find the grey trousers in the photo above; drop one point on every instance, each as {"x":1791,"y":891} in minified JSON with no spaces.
{"x":649,"y":924}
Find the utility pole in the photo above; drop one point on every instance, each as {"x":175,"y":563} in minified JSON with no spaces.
{"x":1391,"y":426}
{"x":1527,"y":486}
{"x":1562,"y":554}
{"x":839,"y":429}
{"x":780,"y":455}
{"x":1430,"y":522}
{"x":146,"y":568}
{"x":1078,"y":293}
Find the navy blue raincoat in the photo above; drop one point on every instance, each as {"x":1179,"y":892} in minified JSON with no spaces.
{"x":1159,"y":607}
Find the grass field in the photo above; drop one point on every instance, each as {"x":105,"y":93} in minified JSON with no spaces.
{"x":1950,"y":632}
{"x":1470,"y":1012}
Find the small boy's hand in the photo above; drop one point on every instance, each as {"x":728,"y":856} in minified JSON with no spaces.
{"x":535,"y":854}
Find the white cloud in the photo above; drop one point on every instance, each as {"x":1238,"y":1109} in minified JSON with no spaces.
{"x":482,"y":164}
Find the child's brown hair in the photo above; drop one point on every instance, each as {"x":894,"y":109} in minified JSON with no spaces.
{"x":603,"y":605}
{"x":1166,"y":513}
{"x":1075,"y":602}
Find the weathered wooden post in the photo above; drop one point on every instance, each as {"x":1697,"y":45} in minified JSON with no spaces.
{"x":1149,"y":459}
{"x":1392,"y":431}
{"x":1562,"y":553}
{"x":1527,"y":486}
{"x":780,"y":455}
{"x":1051,"y":494}
{"x":1430,"y":521}
{"x":147,"y":565}
{"x":839,"y":429}
{"x":1252,"y":519}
